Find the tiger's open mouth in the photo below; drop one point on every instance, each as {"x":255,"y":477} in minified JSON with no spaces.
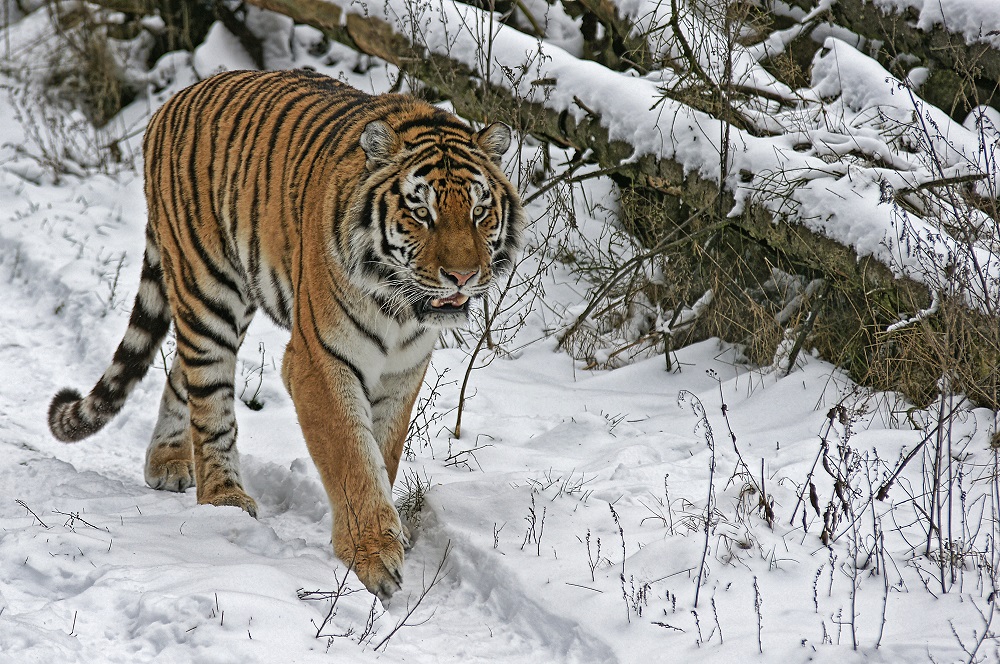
{"x":456,"y":303}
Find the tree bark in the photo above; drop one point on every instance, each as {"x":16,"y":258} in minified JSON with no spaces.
{"x":615,"y":47}
{"x":962,"y":74}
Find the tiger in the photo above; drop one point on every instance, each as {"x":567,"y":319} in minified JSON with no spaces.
{"x":364,"y":224}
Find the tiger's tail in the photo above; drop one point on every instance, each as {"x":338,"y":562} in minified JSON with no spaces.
{"x":73,"y":417}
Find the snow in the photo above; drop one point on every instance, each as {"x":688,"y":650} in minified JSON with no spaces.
{"x":976,"y":20}
{"x":572,"y":509}
{"x":221,"y":51}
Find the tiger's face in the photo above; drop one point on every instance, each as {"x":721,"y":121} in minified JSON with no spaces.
{"x":443,"y":222}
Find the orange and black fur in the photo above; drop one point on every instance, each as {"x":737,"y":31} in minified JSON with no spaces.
{"x":362,"y":223}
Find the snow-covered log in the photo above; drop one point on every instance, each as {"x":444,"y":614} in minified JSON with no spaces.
{"x":609,"y":36}
{"x":854,"y":178}
{"x":959,"y":43}
{"x":578,"y":125}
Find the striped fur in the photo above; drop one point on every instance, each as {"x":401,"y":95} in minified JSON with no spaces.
{"x":362,"y":223}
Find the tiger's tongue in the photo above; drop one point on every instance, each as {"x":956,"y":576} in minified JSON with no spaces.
{"x":455,"y":300}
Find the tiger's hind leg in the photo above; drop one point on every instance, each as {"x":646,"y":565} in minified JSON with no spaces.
{"x":170,"y":455}
{"x":207,"y":347}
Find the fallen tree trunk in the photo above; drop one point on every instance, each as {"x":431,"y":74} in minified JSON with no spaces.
{"x":608,"y":37}
{"x":963,"y":72}
{"x":862,"y":297}
{"x":475,"y":99}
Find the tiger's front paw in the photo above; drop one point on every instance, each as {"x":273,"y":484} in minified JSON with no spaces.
{"x":378,"y":558}
{"x":233,"y":498}
{"x":170,"y":469}
{"x":381,"y":570}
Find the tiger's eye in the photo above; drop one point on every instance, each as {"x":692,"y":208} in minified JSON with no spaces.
{"x":478,"y":211}
{"x":422,"y":212}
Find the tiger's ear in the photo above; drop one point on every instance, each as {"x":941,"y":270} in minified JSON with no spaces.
{"x":494,"y":139}
{"x":379,"y":142}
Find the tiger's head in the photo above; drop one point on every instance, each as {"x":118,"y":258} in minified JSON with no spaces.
{"x":437,"y":220}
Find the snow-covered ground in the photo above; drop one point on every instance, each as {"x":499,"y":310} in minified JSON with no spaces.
{"x":568,"y":521}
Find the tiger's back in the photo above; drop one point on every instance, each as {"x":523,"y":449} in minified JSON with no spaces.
{"x":363,"y":223}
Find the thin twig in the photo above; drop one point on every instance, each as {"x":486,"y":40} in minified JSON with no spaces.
{"x":943,"y":182}
{"x":30,"y":511}
{"x":564,"y":179}
{"x":661,"y":247}
{"x":426,"y":589}
{"x":883,"y":490}
{"x":74,"y":517}
{"x":728,"y":113}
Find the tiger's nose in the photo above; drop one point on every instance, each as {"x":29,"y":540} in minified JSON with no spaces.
{"x":460,"y":278}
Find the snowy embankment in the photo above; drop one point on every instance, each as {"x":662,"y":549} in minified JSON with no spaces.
{"x":572,"y":510}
